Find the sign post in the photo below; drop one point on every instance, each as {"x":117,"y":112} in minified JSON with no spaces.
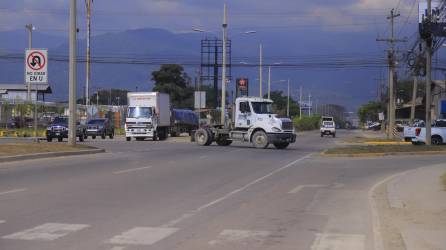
{"x":36,"y":72}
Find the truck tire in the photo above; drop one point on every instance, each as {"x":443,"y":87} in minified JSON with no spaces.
{"x":81,"y":138}
{"x":260,"y":139}
{"x":163,"y":134}
{"x":436,"y":140}
{"x":112,"y":134}
{"x":128,"y":138}
{"x":103,"y":135}
{"x":155,"y":136}
{"x":202,"y":137}
{"x":281,"y":145}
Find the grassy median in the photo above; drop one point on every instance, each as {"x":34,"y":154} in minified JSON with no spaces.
{"x":383,"y":149}
{"x":11,"y":149}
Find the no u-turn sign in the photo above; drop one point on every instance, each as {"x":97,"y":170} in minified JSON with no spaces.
{"x":36,"y":66}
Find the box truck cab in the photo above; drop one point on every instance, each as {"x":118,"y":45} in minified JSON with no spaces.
{"x":148,"y":116}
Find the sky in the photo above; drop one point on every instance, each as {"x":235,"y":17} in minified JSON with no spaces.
{"x":335,"y":21}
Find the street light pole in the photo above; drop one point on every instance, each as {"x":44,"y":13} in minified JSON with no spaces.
{"x":269,"y":82}
{"x":223,"y":71}
{"x":88,"y":68}
{"x":30,"y":29}
{"x":72,"y":76}
{"x":260,"y":70}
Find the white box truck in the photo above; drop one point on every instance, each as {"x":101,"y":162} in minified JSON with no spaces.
{"x":148,"y":116}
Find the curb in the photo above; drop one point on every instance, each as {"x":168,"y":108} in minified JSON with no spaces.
{"x":414,"y":153}
{"x":49,"y":155}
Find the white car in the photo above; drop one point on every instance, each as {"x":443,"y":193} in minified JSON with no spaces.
{"x":438,"y":134}
{"x":328,"y":128}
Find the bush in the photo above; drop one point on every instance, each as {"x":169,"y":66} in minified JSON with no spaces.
{"x":307,"y":122}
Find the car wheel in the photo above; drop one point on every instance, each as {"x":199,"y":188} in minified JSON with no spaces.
{"x":128,"y":138}
{"x":49,"y":139}
{"x":436,"y":140}
{"x":260,"y":139}
{"x":59,"y":139}
{"x":281,"y":145}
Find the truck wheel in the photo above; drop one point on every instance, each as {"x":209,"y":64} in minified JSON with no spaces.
{"x":128,"y":138}
{"x":49,"y":139}
{"x":103,"y":135}
{"x":81,"y":138}
{"x":93,"y":137}
{"x":202,"y":137}
{"x":260,"y":139}
{"x":334,"y":135}
{"x":163,"y":135}
{"x":111,"y":135}
{"x":281,"y":145}
{"x":436,"y":140}
{"x":59,"y":139}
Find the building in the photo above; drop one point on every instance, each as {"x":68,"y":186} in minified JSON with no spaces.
{"x":19,"y":92}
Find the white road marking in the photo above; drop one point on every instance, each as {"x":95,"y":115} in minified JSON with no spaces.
{"x":142,"y":236}
{"x":13,"y":191}
{"x":46,"y":232}
{"x":131,"y":170}
{"x":339,"y":242}
{"x":228,"y":195}
{"x":300,"y":187}
{"x":245,"y":236}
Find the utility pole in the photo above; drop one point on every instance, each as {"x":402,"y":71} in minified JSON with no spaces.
{"x":269,"y":82}
{"x":309,"y":104}
{"x":223,"y":70}
{"x":30,"y":29}
{"x":88,"y":69}
{"x":428,"y":42}
{"x":414,"y":97}
{"x":261,"y":70}
{"x":300,"y":102}
{"x":288,"y":100}
{"x":72,"y":76}
{"x":391,"y":57}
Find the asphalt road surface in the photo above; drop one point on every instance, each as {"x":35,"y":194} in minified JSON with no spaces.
{"x":176,"y":195}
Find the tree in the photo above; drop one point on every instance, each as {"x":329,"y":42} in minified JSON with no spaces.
{"x":107,"y":97}
{"x":172,"y":79}
{"x":370,"y":111}
{"x":281,"y":102}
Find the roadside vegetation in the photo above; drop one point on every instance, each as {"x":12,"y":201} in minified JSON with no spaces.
{"x":21,"y":132}
{"x":443,"y":180}
{"x":382,"y":149}
{"x":307,"y":123}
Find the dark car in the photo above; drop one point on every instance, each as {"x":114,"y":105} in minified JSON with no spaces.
{"x":59,"y":129}
{"x":100,"y":127}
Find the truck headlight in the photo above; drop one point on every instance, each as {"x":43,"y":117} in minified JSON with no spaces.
{"x":274,"y":129}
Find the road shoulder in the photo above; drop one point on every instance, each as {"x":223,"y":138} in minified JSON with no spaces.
{"x":411,"y":209}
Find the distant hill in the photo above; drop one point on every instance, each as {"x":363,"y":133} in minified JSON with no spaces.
{"x":126,"y":59}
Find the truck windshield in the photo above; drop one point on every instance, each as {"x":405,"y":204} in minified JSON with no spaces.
{"x":139,"y":112}
{"x":262,"y":107}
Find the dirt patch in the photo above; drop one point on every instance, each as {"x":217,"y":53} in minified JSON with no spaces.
{"x":11,"y":149}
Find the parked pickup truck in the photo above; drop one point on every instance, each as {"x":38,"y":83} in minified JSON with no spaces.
{"x":409,"y":131}
{"x":438,"y":133}
{"x":59,"y":129}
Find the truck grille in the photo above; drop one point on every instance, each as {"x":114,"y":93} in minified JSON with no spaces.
{"x":287,"y":125}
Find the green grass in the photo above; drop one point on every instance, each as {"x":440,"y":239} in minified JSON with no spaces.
{"x":388,"y":149}
{"x":22,"y":132}
{"x":11,"y":149}
{"x":443,"y":180}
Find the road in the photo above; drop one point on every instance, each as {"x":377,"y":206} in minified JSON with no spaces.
{"x":176,"y":195}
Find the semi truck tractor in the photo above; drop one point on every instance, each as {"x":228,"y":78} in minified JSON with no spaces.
{"x":148,"y":116}
{"x":253,"y":122}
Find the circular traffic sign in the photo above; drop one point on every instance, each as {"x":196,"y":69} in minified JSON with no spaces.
{"x":36,"y":61}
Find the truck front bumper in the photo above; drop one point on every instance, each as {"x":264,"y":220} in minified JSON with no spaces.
{"x":281,"y":137}
{"x":139,"y":132}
